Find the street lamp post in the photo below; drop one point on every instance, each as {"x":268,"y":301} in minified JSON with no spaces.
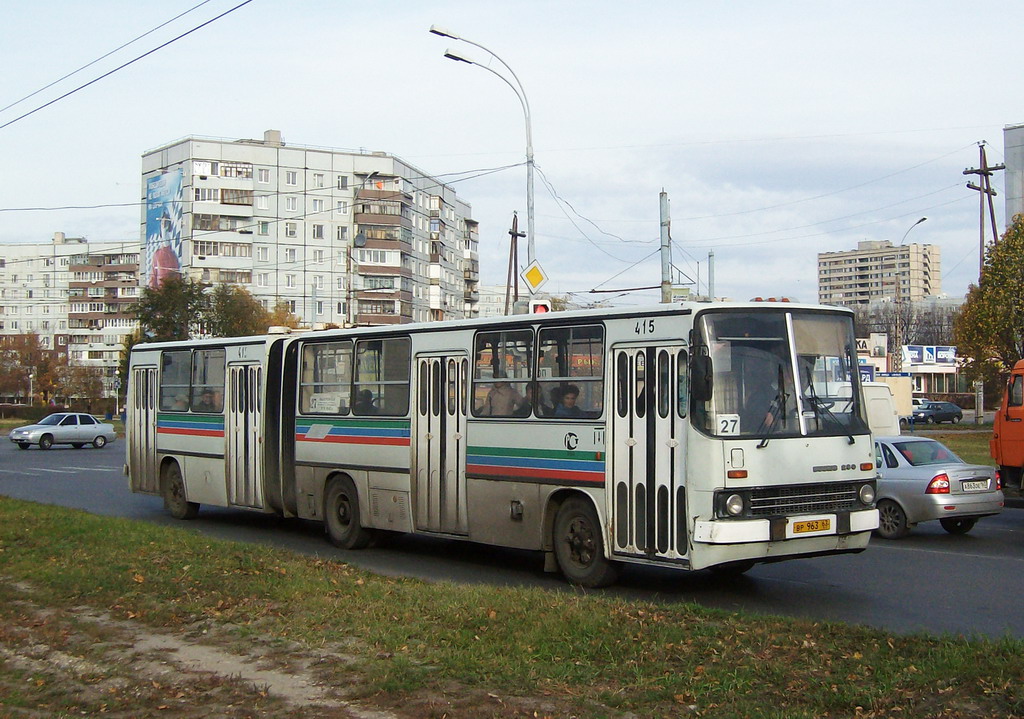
{"x":897,"y":356}
{"x":358,"y":240}
{"x":517,"y":88}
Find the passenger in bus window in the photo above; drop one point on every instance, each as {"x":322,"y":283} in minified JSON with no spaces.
{"x":534,"y":402}
{"x":502,"y":401}
{"x":364,"y":403}
{"x":567,"y":407}
{"x":205,"y":402}
{"x":180,"y":403}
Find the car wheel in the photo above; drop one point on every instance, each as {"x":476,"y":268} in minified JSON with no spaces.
{"x":929,"y":420}
{"x":77,"y":445}
{"x":579,"y":547}
{"x":341,"y":509}
{"x":174,"y":494}
{"x":955,"y":420}
{"x":23,"y":445}
{"x":99,"y":442}
{"x":45,"y":442}
{"x":958,"y":525}
{"x":892,"y":520}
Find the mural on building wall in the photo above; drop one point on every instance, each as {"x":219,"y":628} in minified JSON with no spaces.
{"x":163,"y":227}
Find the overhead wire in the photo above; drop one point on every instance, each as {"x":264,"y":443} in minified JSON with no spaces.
{"x":123,"y":65}
{"x":104,"y":56}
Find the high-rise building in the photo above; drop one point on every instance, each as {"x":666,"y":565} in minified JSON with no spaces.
{"x":341,"y":237}
{"x":1013,"y":151}
{"x":77,"y":296}
{"x":876,"y":270}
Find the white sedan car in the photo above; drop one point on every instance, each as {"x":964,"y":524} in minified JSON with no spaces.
{"x":921,"y":480}
{"x":74,"y":428}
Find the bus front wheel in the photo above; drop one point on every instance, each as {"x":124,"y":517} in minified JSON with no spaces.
{"x":341,"y":509}
{"x":174,"y":494}
{"x":579,"y":547}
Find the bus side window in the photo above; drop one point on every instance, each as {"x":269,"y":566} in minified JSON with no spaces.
{"x":382,"y":372}
{"x":208,"y":380}
{"x":326,"y":382}
{"x":174,"y":380}
{"x":570,"y":369}
{"x":502,"y":364}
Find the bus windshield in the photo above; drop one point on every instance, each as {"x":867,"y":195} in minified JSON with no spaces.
{"x":777,"y":374}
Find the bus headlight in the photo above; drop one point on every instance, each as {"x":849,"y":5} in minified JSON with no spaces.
{"x":866,"y":494}
{"x":734,"y":505}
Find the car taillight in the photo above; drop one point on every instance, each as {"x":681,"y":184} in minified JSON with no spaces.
{"x":938,"y":485}
{"x":999,"y":479}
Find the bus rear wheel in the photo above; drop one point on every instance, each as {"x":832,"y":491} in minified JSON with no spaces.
{"x":341,"y":510}
{"x":579,"y":546}
{"x":174,"y":495}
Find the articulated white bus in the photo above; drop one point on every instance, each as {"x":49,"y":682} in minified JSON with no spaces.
{"x":700,"y":435}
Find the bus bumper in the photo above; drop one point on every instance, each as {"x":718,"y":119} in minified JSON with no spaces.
{"x":741,"y":531}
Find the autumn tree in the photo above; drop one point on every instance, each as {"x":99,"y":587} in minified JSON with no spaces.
{"x":174,"y":311}
{"x":989,"y":331}
{"x":234,"y":312}
{"x":20,"y":356}
{"x":282,"y":316}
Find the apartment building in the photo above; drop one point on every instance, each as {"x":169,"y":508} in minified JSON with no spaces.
{"x":77,"y":296}
{"x":877,"y":270}
{"x":341,"y":237}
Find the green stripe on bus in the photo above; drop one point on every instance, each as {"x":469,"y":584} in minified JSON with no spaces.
{"x":211,"y":419}
{"x":538,"y":453}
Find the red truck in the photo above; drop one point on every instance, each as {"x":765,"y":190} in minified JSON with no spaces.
{"x":1007,"y":443}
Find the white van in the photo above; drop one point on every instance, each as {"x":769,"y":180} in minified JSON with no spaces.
{"x":880,"y":407}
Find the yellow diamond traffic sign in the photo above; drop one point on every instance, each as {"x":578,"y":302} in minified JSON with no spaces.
{"x":534,"y":276}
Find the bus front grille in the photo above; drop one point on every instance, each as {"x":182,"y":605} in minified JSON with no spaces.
{"x":804,"y":499}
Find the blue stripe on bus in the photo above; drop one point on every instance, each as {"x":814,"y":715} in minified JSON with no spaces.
{"x":561,"y":464}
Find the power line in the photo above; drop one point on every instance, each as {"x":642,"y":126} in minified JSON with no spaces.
{"x":102,"y":57}
{"x":124,"y":65}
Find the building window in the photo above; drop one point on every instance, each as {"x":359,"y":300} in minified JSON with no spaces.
{"x":264,"y":228}
{"x":318,"y":282}
{"x":318,"y":232}
{"x":291,"y":177}
{"x":236,"y":197}
{"x":342,"y":207}
{"x":291,"y":204}
{"x":342,"y":182}
{"x":289,"y":280}
{"x":263,"y":254}
{"x":318,"y":179}
{"x":263,"y":175}
{"x":262,"y":202}
{"x":236,"y":169}
{"x":342,"y":233}
{"x":289,"y":255}
{"x":318,"y":255}
{"x":319,"y":308}
{"x":263,"y":279}
{"x":207,"y":194}
{"x":290,"y":229}
{"x":318,"y":205}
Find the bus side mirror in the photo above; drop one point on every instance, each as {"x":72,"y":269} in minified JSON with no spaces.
{"x":701,"y":377}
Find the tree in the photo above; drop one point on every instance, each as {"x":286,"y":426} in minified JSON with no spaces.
{"x":282,"y":316}
{"x":124,"y":357}
{"x":989,"y":330}
{"x":20,"y":356}
{"x":234,"y":312}
{"x":76,"y":381}
{"x":174,"y":311}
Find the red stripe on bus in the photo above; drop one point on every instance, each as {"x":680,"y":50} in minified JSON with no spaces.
{"x":487,"y":469}
{"x":393,"y":441}
{"x":192,"y":432}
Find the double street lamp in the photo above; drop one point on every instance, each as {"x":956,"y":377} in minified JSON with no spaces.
{"x":897,"y":355}
{"x":517,"y":88}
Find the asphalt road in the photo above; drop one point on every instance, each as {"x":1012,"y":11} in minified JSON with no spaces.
{"x":929,"y":581}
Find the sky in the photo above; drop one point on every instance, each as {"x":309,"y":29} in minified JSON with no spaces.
{"x":777,"y":129}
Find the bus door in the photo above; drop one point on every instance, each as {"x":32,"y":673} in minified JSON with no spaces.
{"x":648,"y":499}
{"x":141,"y":430}
{"x":242,"y":421}
{"x":439,"y":447}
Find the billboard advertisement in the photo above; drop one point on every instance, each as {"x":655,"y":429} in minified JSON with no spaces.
{"x":163,"y":227}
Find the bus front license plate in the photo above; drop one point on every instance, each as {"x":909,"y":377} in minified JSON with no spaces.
{"x":813,"y":525}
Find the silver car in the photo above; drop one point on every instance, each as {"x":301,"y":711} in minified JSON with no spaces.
{"x":921,"y":480}
{"x":74,"y":428}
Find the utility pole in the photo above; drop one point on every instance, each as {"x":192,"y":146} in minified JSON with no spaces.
{"x":512,"y":284}
{"x":711,"y":275}
{"x":984,"y":189}
{"x":666,"y":250}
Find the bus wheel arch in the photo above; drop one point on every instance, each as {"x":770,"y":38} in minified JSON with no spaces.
{"x":574,"y":534}
{"x":342,"y":515}
{"x":172,"y":489}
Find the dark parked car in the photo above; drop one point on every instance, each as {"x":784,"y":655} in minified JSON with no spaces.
{"x":934,"y":412}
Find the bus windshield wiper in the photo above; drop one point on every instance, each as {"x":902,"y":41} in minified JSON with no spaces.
{"x":821,"y":406}
{"x":776,"y":410}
